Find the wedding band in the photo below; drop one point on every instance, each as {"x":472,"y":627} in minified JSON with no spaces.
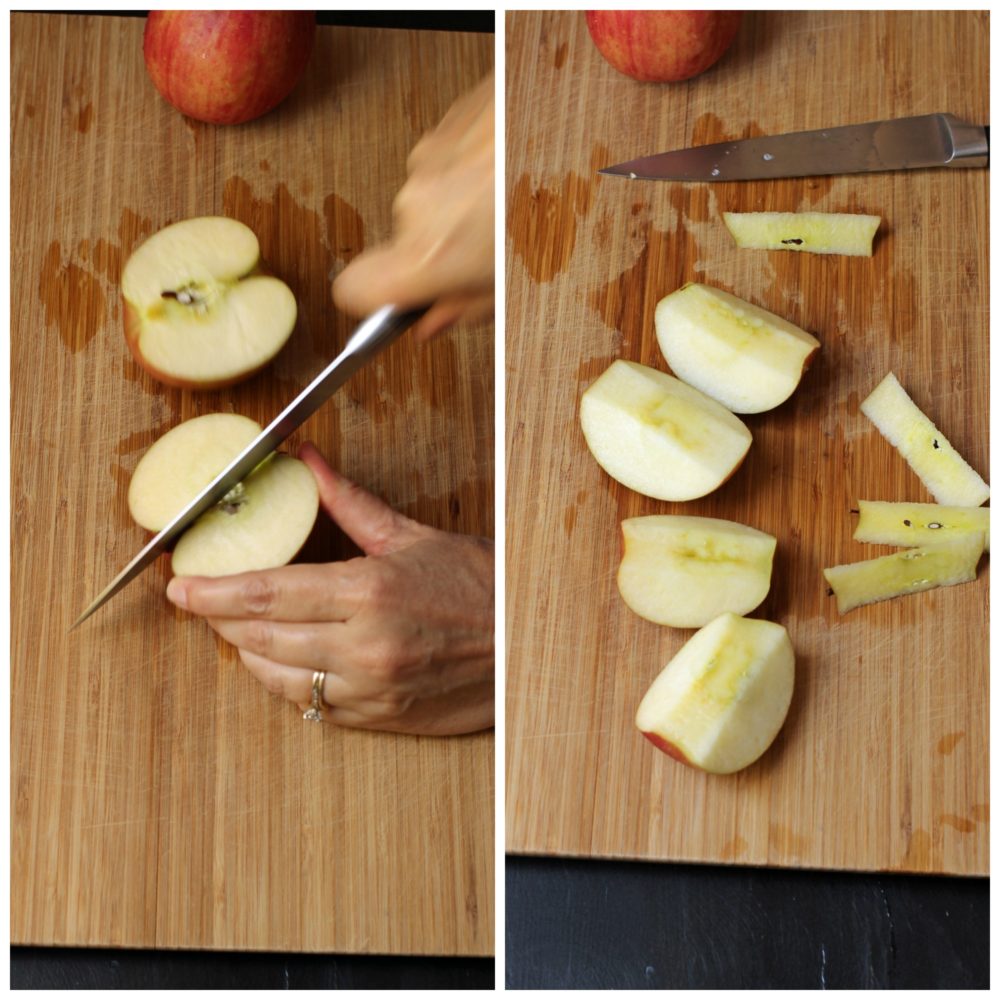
{"x":315,"y":712}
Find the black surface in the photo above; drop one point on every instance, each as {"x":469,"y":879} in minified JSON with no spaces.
{"x":112,"y":969}
{"x":629,"y":925}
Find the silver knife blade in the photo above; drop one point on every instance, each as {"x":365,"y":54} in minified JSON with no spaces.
{"x":897,"y":144}
{"x":375,"y":333}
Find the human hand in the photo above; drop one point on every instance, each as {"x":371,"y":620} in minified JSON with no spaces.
{"x":441,"y":252}
{"x":404,"y":632}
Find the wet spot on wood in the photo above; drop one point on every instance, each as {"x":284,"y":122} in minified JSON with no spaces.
{"x":345,"y":229}
{"x":264,"y":165}
{"x":948,"y":742}
{"x":980,"y":812}
{"x":560,"y":57}
{"x":73,"y":299}
{"x":918,"y":852}
{"x":786,"y":841}
{"x":959,"y":823}
{"x":84,"y":118}
{"x":733,"y":849}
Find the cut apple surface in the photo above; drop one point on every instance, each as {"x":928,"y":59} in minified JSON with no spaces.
{"x":198,"y":311}
{"x":658,"y":436}
{"x":908,"y":572}
{"x":261,"y":523}
{"x":809,"y":232}
{"x":685,"y":571}
{"x":743,"y":356}
{"x":721,"y":701}
{"x":887,"y":523}
{"x":950,"y":479}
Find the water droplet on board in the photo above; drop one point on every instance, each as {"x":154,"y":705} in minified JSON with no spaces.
{"x":768,"y":156}
{"x":715,"y":171}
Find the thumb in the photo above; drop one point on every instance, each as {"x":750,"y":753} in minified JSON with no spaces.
{"x":368,"y":521}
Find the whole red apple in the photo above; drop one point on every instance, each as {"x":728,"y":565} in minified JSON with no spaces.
{"x":227,"y":66}
{"x":662,"y":46}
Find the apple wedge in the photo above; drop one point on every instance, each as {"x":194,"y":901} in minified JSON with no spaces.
{"x":908,"y":572}
{"x":684,"y":571}
{"x":658,"y":436}
{"x":950,"y":479}
{"x":261,"y":523}
{"x":199,"y":312}
{"x":885,"y":523}
{"x":743,"y":356}
{"x":721,"y":701}
{"x":808,"y":232}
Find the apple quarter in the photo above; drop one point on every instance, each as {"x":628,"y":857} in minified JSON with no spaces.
{"x":907,"y":572}
{"x":658,"y":436}
{"x":948,"y":477}
{"x":746,"y":358}
{"x":807,"y":232}
{"x":198,"y":311}
{"x":684,"y":571}
{"x":885,"y":522}
{"x":723,"y":698}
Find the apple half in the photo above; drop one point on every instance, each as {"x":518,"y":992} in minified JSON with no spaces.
{"x":806,"y":232}
{"x":199,"y":311}
{"x":684,"y":571}
{"x":658,"y":436}
{"x":261,"y":523}
{"x":908,"y":572}
{"x":950,"y":479}
{"x":721,"y":701}
{"x":885,"y":522}
{"x":743,"y":356}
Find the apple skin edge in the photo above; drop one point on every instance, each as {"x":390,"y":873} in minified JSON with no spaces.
{"x":669,"y":749}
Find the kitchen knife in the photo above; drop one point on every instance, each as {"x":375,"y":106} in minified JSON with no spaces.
{"x":898,"y":144}
{"x":375,"y":333}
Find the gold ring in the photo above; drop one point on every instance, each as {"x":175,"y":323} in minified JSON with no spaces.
{"x":315,"y":712}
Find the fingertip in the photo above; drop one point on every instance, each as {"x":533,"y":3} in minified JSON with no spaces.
{"x":177,"y":592}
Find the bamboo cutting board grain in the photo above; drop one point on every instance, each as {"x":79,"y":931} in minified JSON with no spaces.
{"x":160,"y":796}
{"x":882,"y":763}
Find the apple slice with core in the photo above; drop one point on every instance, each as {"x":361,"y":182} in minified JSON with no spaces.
{"x":950,"y":479}
{"x":658,"y":436}
{"x":261,"y":523}
{"x":809,"y":232}
{"x":684,"y":571}
{"x":721,"y":701}
{"x":199,"y":312}
{"x":739,"y":354}
{"x":908,"y":572}
{"x":886,"y":523}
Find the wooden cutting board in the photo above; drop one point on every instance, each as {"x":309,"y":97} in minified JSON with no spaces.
{"x":160,"y":796}
{"x":882,"y":763}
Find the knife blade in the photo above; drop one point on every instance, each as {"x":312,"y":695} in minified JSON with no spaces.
{"x":923,"y":141}
{"x":371,"y":336}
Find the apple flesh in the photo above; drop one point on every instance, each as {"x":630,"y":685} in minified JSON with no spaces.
{"x":199,"y":312}
{"x":226,"y":67}
{"x":745,"y":357}
{"x":950,"y":479}
{"x":261,"y":523}
{"x":658,"y":436}
{"x":806,"y":232}
{"x":908,"y":572}
{"x":662,"y":46}
{"x":887,"y":523}
{"x":684,"y":571}
{"x":722,"y":700}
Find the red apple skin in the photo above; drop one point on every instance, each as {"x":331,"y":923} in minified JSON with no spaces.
{"x":662,"y":46}
{"x":226,"y":67}
{"x":669,"y":749}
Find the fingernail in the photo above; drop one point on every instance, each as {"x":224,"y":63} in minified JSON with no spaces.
{"x":177,"y":592}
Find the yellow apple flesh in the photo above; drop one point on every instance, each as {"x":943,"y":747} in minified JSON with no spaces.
{"x":684,"y":571}
{"x":723,"y":698}
{"x":743,"y":356}
{"x":658,"y":436}
{"x":887,"y":523}
{"x":199,"y":311}
{"x":806,"y":232}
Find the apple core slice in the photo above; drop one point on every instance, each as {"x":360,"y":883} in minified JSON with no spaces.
{"x":198,"y":311}
{"x":721,"y":701}
{"x":684,"y":571}
{"x":262,"y":523}
{"x":179,"y":465}
{"x":887,"y":523}
{"x":807,"y":232}
{"x":950,"y":479}
{"x":658,"y":436}
{"x":743,"y":356}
